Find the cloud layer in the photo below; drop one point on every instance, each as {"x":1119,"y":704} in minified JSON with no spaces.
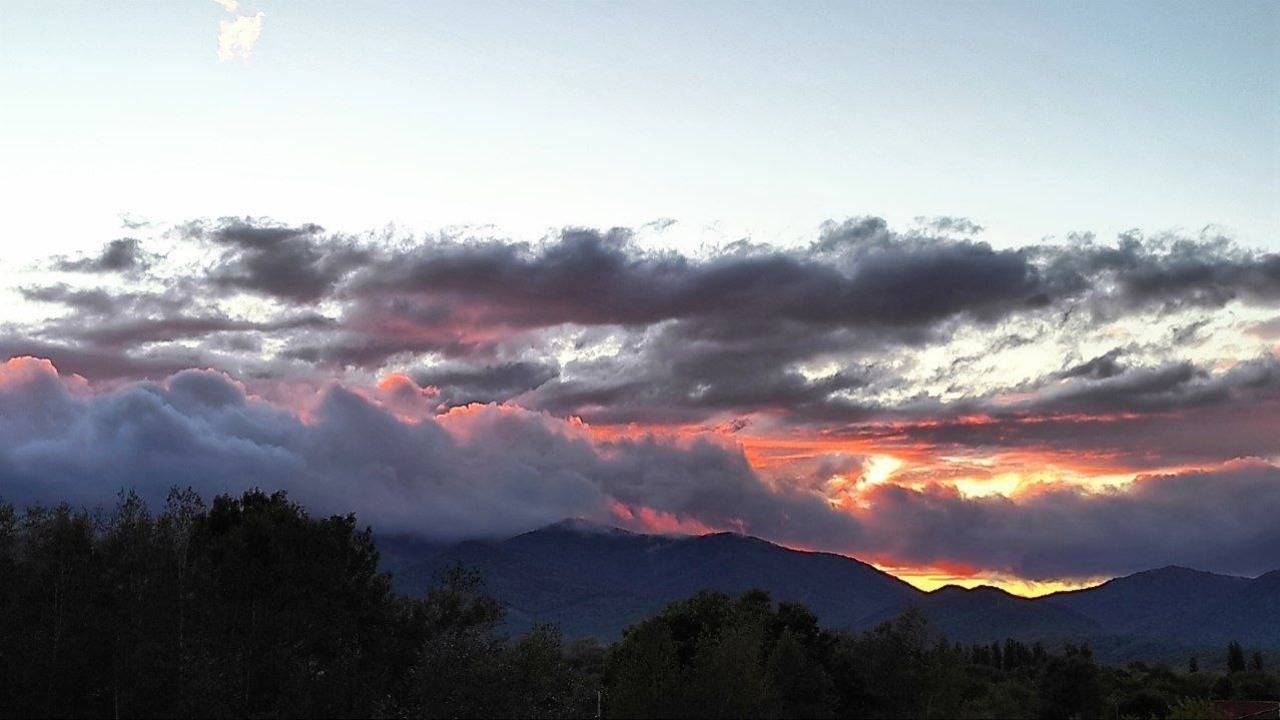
{"x":492,"y":470}
{"x":918,"y":396}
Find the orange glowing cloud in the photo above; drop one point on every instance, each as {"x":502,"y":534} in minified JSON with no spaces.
{"x":25,"y":370}
{"x":645,"y":519}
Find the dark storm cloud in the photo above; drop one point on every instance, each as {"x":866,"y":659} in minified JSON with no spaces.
{"x":130,"y":333}
{"x":294,"y":264}
{"x":373,"y":349}
{"x":859,"y":284}
{"x":495,"y":471}
{"x":1099,"y":368}
{"x":688,"y":371}
{"x":96,"y":301}
{"x":740,"y":330}
{"x":857,"y":274}
{"x":1141,"y":388}
{"x":101,"y":302}
{"x":96,"y":363}
{"x":124,"y":256}
{"x":853,"y":276}
{"x":112,"y":334}
{"x":1168,"y":271}
{"x":1142,"y":417}
{"x":91,"y":306}
{"x":463,"y":384}
{"x":1168,"y":387}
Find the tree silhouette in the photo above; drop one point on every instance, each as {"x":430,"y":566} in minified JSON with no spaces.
{"x":249,"y":606}
{"x":1235,"y":657}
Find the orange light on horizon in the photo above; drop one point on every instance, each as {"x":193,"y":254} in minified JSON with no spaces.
{"x":932,"y":578}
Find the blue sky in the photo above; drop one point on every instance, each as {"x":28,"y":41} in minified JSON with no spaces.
{"x":761,"y":119}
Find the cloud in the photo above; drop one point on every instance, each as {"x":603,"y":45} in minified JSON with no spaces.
{"x":124,"y":256}
{"x":1138,"y":418}
{"x":857,"y":285}
{"x":488,"y":470}
{"x":128,"y":333}
{"x":1167,"y":271}
{"x":463,"y":385}
{"x":1267,"y":329}
{"x":613,"y":332}
{"x":482,"y":470}
{"x":237,"y":38}
{"x":105,"y":364}
{"x":1083,"y":361}
{"x":854,"y":276}
{"x":689,"y":371}
{"x":947,"y":223}
{"x":287,"y":263}
{"x":1101,"y":367}
{"x":230,"y":6}
{"x":1215,"y":519}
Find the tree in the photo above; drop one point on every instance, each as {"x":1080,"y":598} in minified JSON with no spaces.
{"x":1235,"y":657}
{"x":643,"y":673}
{"x":253,"y":607}
{"x":541,"y":681}
{"x":728,"y":677}
{"x":1192,"y":709}
{"x":798,"y":686}
{"x":1069,"y":686}
{"x":713,"y":656}
{"x":460,"y":665}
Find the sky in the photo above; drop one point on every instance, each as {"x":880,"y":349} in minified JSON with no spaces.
{"x":979,"y":292}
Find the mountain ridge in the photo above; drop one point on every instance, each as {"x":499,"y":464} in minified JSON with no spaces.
{"x":593,"y":579}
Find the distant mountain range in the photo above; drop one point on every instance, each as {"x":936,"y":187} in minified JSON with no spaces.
{"x":595,"y":580}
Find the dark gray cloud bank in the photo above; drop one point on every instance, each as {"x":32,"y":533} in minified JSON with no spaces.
{"x":121,"y":256}
{"x":824,"y":340}
{"x":699,"y":335}
{"x":857,"y":283}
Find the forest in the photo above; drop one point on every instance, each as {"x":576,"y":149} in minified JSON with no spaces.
{"x":250,"y":607}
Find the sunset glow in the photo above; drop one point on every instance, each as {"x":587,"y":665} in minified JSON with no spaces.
{"x":640,"y":358}
{"x":997,"y":309}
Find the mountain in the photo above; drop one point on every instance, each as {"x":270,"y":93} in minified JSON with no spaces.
{"x":1177,"y":604}
{"x":1252,"y":613}
{"x":987,"y":614}
{"x":1131,"y":604}
{"x":595,"y":580}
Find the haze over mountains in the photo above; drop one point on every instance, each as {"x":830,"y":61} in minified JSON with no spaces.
{"x":595,"y":580}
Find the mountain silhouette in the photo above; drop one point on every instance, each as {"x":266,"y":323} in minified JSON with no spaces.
{"x":595,"y":580}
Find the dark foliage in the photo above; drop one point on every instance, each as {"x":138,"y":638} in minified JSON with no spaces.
{"x":252,"y":608}
{"x":714,"y":656}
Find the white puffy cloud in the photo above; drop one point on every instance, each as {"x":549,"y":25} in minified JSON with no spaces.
{"x":237,"y":38}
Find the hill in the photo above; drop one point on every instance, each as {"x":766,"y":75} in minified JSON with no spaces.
{"x":1181,"y":605}
{"x":595,"y":580}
